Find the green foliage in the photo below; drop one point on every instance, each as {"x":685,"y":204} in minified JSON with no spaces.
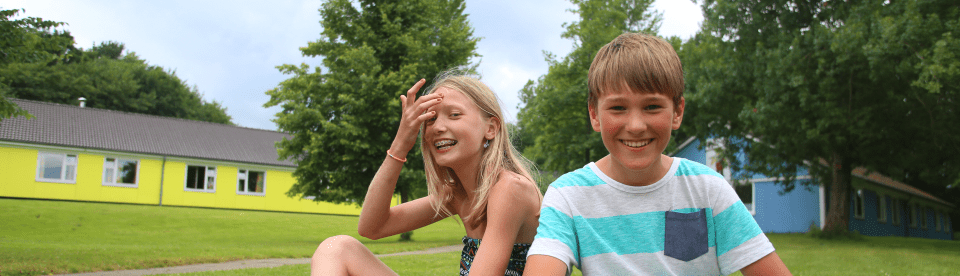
{"x":834,"y":234}
{"x":343,"y":121}
{"x":851,"y":83}
{"x":27,"y":40}
{"x":38,"y":62}
{"x":555,"y":113}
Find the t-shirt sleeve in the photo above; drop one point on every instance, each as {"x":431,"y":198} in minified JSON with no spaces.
{"x":740,"y":241}
{"x":556,"y":236}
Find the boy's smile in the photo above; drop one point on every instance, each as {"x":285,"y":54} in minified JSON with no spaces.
{"x":635,"y":129}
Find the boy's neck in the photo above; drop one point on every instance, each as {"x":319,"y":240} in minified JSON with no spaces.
{"x":644,"y":177}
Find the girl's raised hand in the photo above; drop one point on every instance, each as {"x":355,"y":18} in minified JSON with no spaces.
{"x":414,"y":114}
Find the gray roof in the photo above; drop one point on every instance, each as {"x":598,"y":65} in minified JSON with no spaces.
{"x":91,"y":128}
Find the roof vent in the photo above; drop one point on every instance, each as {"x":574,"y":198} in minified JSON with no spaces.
{"x":83,"y":102}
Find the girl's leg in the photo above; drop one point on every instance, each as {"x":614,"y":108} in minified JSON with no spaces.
{"x":345,"y":255}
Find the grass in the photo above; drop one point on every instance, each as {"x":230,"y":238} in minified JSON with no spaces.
{"x":41,"y":237}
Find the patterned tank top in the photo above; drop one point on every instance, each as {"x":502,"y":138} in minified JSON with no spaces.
{"x":518,"y":258}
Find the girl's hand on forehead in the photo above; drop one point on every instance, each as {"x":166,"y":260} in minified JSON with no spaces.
{"x":413,"y":115}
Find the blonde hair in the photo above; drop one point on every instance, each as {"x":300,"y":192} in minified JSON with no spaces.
{"x":646,"y":63}
{"x":499,"y":156}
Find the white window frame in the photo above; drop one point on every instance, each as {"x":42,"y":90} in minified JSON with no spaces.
{"x":244,"y":174}
{"x":65,"y":164}
{"x":207,"y":186}
{"x":858,"y":202}
{"x":882,"y":208}
{"x":116,"y":172}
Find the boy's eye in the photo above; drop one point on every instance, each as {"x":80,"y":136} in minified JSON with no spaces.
{"x":653,"y":107}
{"x":618,"y":108}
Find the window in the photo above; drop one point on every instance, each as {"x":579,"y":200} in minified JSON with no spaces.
{"x":897,"y":209}
{"x":937,"y":213}
{"x":882,"y":208}
{"x":251,"y":182}
{"x":913,"y":215}
{"x":946,"y":223}
{"x":201,"y":178}
{"x":745,"y":191}
{"x":57,"y":167}
{"x":858,"y":204}
{"x":120,"y":171}
{"x":923,"y":217}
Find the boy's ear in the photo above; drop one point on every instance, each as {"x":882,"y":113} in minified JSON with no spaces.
{"x":493,"y":127}
{"x":678,"y":114}
{"x":594,"y":120}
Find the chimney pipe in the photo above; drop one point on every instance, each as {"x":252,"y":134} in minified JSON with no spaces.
{"x":83,"y":102}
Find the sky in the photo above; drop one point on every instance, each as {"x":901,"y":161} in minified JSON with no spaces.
{"x":229,"y":50}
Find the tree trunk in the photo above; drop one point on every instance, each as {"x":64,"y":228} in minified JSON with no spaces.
{"x":839,"y":214}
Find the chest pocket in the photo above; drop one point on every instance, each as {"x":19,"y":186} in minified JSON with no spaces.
{"x":685,"y":235}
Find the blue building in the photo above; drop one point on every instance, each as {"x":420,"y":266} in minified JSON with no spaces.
{"x":880,"y":206}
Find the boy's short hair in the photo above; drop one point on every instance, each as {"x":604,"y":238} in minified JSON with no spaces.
{"x":647,"y":64}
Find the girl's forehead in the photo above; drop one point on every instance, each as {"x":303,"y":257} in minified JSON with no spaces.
{"x":452,"y":99}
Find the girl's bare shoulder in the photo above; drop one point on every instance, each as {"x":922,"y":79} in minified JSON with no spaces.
{"x":515,"y":187}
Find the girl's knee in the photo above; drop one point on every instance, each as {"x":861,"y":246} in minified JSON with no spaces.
{"x":336,"y":245}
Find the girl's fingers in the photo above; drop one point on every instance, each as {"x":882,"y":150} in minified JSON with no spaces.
{"x":426,"y":116}
{"x":403,"y":102}
{"x":412,"y":93}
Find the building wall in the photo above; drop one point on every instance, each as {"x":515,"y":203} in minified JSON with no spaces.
{"x":795,"y":211}
{"x":18,"y":169}
{"x":871,"y":225}
{"x":792,"y":212}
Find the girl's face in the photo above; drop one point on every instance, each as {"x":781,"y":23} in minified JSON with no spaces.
{"x":458,"y":131}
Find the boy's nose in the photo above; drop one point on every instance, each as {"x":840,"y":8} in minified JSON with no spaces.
{"x":635,"y":124}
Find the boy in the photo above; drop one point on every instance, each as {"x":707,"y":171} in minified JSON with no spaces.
{"x":637,"y":211}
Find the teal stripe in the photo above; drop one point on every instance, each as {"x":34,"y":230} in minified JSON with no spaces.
{"x":690,"y":168}
{"x":561,"y":228}
{"x":738,"y":227}
{"x":583,"y":177}
{"x":628,"y":234}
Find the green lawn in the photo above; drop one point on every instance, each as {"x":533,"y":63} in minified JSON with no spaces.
{"x":40,"y":237}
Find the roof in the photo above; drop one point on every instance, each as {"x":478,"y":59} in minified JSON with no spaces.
{"x":92,"y":128}
{"x":896,"y":185}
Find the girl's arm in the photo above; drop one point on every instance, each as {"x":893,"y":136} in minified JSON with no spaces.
{"x":377,"y":218}
{"x":512,"y":201}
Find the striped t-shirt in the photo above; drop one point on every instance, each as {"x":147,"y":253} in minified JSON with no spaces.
{"x":690,"y":222}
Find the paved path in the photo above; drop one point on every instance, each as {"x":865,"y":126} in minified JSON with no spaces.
{"x":243,"y":264}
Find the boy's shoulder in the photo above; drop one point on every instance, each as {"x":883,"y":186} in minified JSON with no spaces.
{"x":580,"y":177}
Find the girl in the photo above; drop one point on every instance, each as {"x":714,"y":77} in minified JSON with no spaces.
{"x":472,"y":171}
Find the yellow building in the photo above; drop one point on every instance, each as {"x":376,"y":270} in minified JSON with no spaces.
{"x":87,"y":154}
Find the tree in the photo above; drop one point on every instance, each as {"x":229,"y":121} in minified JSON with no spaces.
{"x":555,"y":106}
{"x":108,"y":80}
{"x":27,"y":40}
{"x":342,"y":121}
{"x":829,"y":86}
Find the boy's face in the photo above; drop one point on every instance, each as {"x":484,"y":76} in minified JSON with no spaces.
{"x":635,"y":127}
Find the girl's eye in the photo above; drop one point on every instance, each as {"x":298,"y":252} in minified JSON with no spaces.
{"x":455,"y":115}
